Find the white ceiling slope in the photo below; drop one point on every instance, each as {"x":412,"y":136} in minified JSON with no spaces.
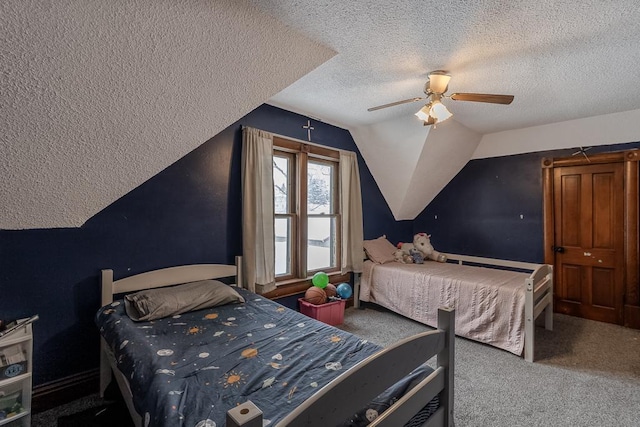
{"x":615,"y":128}
{"x":560,"y":60}
{"x":97,"y":97}
{"x":391,"y":150}
{"x":410,"y":163}
{"x":439,"y":164}
{"x":563,"y":62}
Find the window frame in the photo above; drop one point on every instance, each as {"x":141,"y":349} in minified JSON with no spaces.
{"x":302,"y":153}
{"x":335,"y":214}
{"x":291,"y":212}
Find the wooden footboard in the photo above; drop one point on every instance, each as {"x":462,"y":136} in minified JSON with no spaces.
{"x":339,"y":399}
{"x":538,"y":297}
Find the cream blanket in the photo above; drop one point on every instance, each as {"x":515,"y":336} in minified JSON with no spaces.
{"x":489,"y":303}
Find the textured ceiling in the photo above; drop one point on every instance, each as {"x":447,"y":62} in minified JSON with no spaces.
{"x":561,"y":60}
{"x":570,"y":66}
{"x":97,"y":97}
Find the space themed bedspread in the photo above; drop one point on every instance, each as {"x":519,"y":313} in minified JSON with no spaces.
{"x":189,"y":369}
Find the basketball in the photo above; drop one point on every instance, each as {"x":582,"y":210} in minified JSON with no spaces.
{"x":315,"y":295}
{"x":330,"y":290}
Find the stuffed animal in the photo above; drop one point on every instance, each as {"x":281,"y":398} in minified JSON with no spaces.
{"x":417,"y":256}
{"x":402,"y":257}
{"x":422,"y":242}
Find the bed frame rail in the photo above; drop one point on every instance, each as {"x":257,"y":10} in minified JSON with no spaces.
{"x":538,"y":298}
{"x":166,"y":277}
{"x":109,"y":359}
{"x":360,"y":384}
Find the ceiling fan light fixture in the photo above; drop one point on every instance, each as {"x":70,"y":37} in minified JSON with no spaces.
{"x":439,"y":112}
{"x":439,"y":81}
{"x":424,"y":113}
{"x":430,"y":121}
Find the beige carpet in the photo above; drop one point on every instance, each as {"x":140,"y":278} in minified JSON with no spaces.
{"x":586,"y":373}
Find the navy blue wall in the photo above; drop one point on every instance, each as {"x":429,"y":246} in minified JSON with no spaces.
{"x":188,"y":213}
{"x":478,"y":212}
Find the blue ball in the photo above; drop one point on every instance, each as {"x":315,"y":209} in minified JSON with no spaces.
{"x":344,"y":290}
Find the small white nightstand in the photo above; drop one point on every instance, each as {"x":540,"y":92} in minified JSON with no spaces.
{"x":16,"y":368}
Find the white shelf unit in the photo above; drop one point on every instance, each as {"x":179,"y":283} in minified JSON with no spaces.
{"x":19,"y":340}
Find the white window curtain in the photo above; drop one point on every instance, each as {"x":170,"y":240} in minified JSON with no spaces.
{"x":351,"y":202}
{"x":258,"y":240}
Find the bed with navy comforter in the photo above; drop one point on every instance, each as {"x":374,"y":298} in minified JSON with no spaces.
{"x":189,"y":369}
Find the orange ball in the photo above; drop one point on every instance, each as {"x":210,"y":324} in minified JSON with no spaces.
{"x":330,"y":290}
{"x":315,"y":295}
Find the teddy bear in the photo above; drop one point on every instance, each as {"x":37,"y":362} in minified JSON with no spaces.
{"x":422,"y":242}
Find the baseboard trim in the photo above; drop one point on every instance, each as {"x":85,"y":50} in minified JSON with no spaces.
{"x":64,"y":390}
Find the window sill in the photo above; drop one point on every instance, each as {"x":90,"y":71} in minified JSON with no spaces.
{"x":290,"y":287}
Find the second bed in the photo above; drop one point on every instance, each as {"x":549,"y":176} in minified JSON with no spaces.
{"x":496,"y":306}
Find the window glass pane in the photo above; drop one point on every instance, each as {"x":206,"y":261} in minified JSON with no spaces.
{"x":321,"y":243}
{"x":283,"y":246}
{"x":281,"y":184}
{"x":320,"y":178}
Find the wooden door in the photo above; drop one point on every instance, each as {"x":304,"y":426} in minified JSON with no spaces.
{"x":588,"y":205}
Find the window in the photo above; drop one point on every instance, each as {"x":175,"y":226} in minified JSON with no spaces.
{"x":307,"y":214}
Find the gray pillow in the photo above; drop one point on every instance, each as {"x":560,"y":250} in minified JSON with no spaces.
{"x":162,"y":302}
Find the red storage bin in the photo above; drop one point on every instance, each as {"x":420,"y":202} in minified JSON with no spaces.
{"x":331,"y":313}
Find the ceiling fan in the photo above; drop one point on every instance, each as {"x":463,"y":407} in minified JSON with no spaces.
{"x":434,"y":110}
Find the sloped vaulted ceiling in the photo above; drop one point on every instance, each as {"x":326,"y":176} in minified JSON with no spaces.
{"x":98,"y":97}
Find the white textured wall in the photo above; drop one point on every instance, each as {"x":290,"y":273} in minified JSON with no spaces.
{"x":412,"y":163}
{"x":600,"y":130}
{"x":391,"y":150}
{"x":447,"y":150}
{"x":99,"y":96}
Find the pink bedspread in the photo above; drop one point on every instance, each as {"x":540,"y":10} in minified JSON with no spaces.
{"x":489,"y":303}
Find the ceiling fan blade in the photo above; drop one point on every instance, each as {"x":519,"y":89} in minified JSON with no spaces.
{"x":404,"y":101}
{"x":483,"y":97}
